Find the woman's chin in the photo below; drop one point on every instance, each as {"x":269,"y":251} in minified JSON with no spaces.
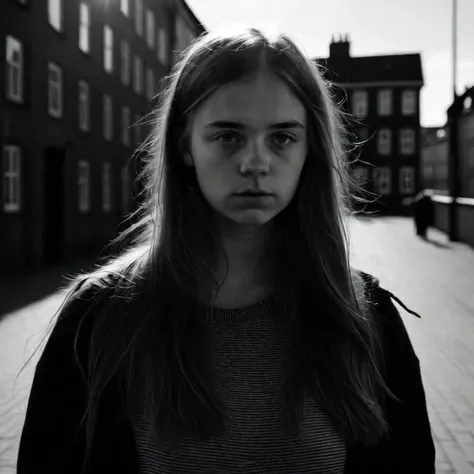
{"x":252,"y":217}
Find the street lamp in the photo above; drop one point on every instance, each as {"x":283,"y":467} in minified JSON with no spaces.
{"x":453,"y":138}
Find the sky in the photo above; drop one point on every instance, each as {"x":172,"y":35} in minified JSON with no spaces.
{"x":375,"y":27}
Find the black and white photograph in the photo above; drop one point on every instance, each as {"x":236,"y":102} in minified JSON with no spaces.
{"x":237,"y":237}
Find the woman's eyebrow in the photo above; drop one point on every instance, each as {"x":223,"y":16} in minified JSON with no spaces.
{"x":241,"y":126}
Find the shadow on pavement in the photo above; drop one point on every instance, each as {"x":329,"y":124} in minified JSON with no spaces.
{"x":23,"y":290}
{"x":437,"y":243}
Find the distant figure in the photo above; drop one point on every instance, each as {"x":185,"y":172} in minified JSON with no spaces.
{"x":423,"y":211}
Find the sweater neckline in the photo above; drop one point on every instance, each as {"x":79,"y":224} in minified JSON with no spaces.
{"x":249,"y":313}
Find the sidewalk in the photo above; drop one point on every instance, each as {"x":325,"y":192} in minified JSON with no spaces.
{"x":437,"y":281}
{"x":21,"y":290}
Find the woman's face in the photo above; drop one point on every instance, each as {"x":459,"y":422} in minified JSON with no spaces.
{"x":248,"y":144}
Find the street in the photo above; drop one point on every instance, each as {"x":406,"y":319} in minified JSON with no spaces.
{"x":435,"y":279}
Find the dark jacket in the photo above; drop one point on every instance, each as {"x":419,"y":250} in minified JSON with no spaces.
{"x":52,"y":440}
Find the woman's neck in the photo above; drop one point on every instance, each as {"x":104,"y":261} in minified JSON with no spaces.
{"x":245,"y":263}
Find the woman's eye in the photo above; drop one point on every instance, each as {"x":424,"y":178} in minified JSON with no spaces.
{"x":228,"y":138}
{"x":282,"y":139}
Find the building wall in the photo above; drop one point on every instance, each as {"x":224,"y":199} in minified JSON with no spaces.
{"x":22,"y":236}
{"x":370,"y":156}
{"x":466,"y":154}
{"x":434,"y":166}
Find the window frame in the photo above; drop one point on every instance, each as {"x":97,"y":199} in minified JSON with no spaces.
{"x":150,"y":27}
{"x":15,"y":96}
{"x":137,"y":133}
{"x":162,"y":47}
{"x":126,"y":126}
{"x":150,"y":83}
{"x":359,"y":173}
{"x":384,"y":146}
{"x":402,"y":189}
{"x":357,"y":101}
{"x":107,"y":117}
{"x":106,"y":187}
{"x":125,"y":8}
{"x":387,"y":173}
{"x":83,"y":186}
{"x":125,"y":188}
{"x":59,"y":28}
{"x":385,"y":102}
{"x":108,"y":49}
{"x":84,"y":26}
{"x":403,"y":141}
{"x":84,"y":102}
{"x":138,"y":74}
{"x":139,"y":18}
{"x":12,"y":179}
{"x":125,"y":65}
{"x":406,"y":111}
{"x":57,"y":69}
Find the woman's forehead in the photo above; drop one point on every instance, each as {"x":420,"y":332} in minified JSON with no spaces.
{"x":262,"y":98}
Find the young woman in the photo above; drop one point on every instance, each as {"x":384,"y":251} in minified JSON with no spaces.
{"x":232,"y":335}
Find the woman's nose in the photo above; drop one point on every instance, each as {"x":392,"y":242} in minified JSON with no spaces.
{"x":256,"y":160}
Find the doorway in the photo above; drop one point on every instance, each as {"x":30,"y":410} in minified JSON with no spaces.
{"x":54,"y":219}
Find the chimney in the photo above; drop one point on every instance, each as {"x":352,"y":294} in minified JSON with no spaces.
{"x":341,"y":48}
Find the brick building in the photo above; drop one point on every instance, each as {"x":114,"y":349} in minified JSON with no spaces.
{"x":383,"y":95}
{"x":77,"y":77}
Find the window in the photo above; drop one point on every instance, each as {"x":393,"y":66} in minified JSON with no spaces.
{"x":163,"y":47}
{"x":125,"y":64}
{"x":84,"y":28}
{"x":409,"y":102}
{"x":11,"y":178}
{"x":361,"y":175}
{"x":14,"y":70}
{"x":55,"y":14}
{"x":382,"y":180}
{"x":125,"y":7}
{"x":363,"y":134}
{"x":150,"y":29}
{"x":360,"y":103}
{"x":384,"y":102}
{"x":138,"y":75}
{"x":126,"y":119}
{"x":139,"y":17}
{"x":108,"y":49}
{"x":384,"y":141}
{"x":83,"y":185}
{"x":150,"y":84}
{"x":55,"y":90}
{"x":407,"y":141}
{"x":107,"y":117}
{"x":84,"y":106}
{"x":137,"y":129}
{"x":106,"y":186}
{"x":407,"y":180}
{"x":125,"y":195}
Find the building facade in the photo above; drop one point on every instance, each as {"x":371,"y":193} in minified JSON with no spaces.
{"x":466,"y":143}
{"x":77,"y":78}
{"x":434,"y":166}
{"x":382,"y":94}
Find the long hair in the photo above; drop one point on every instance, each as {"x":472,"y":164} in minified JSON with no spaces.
{"x":148,"y":329}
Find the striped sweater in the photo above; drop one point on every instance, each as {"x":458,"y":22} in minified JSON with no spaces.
{"x":250,"y":348}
